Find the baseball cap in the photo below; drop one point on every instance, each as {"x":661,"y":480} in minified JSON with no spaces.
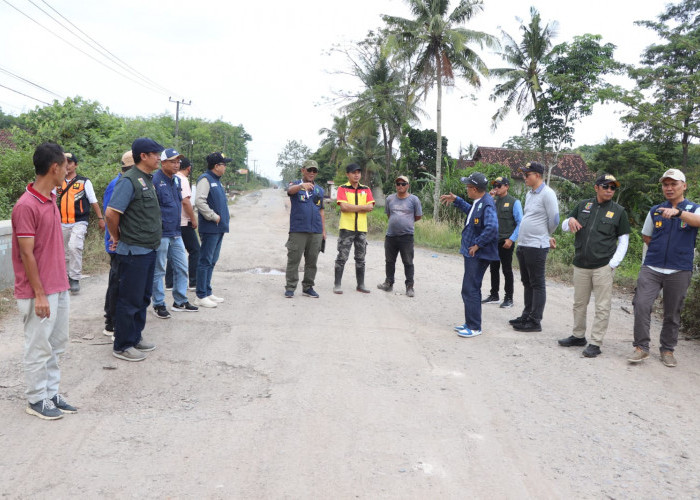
{"x":71,"y":157}
{"x":128,"y":159}
{"x":533,"y":166}
{"x":352,"y":168}
{"x":216,"y":158}
{"x":185,"y":163}
{"x":476,"y":179}
{"x":401,"y":178}
{"x":310,"y":164}
{"x":501,"y":180}
{"x":606,"y":179}
{"x":671,"y":173}
{"x":169,"y":154}
{"x":145,"y":145}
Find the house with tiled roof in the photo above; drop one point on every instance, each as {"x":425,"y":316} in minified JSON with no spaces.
{"x":569,"y":166}
{"x":6,"y":140}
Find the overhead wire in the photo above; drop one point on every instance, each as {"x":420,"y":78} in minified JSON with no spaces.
{"x":8,"y":72}
{"x":25,"y":95}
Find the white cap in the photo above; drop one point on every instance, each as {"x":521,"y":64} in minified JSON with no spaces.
{"x":673,"y":173}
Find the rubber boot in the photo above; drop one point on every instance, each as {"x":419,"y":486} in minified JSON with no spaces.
{"x":360,"y":274}
{"x":338,"y":279}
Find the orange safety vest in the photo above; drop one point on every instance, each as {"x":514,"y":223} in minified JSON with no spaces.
{"x":72,"y":200}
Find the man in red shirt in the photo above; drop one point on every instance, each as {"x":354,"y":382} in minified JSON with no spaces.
{"x":41,"y":283}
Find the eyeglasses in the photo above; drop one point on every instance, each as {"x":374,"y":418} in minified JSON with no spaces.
{"x":402,"y":183}
{"x":611,"y":187}
{"x":312,"y":170}
{"x":498,"y":186}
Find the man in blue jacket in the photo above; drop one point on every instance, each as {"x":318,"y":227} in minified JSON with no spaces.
{"x":213,"y":222}
{"x":479,"y":247}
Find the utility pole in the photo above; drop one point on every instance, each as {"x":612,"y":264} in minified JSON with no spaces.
{"x":177,"y":117}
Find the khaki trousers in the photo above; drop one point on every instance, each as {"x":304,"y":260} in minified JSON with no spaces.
{"x":599,"y":281}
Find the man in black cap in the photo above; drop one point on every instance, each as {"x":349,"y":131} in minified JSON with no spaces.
{"x":602,"y":234}
{"x":510,"y":213}
{"x":213,"y":221}
{"x":540,"y":220}
{"x":479,"y":247}
{"x":134,"y":223}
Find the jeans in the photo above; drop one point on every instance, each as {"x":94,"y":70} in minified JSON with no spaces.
{"x":474,"y":269}
{"x":112,"y":289}
{"x":393,"y":246}
{"x":191,"y":241}
{"x":171,"y":248}
{"x":135,"y":286}
{"x":308,"y":245}
{"x":506,"y":260}
{"x":532,"y":266}
{"x":208,"y":255}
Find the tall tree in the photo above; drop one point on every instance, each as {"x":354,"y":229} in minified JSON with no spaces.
{"x":291,"y":158}
{"x":522,"y":77}
{"x":442,"y":49}
{"x":336,"y":139}
{"x":670,"y":75}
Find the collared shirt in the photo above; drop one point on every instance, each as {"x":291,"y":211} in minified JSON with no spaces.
{"x":540,"y":218}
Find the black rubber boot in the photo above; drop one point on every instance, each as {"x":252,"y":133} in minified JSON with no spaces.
{"x":338,"y":279}
{"x":360,"y":274}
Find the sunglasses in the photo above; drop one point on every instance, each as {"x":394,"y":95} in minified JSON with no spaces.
{"x":611,"y":187}
{"x":402,"y":183}
{"x":312,"y":170}
{"x":498,"y":186}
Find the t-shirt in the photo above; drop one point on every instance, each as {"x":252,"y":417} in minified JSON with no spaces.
{"x":402,"y":214}
{"x":361,"y":195}
{"x":186,"y":193}
{"x":38,"y":217}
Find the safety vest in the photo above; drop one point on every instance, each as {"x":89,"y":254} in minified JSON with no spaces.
{"x":72,"y":200}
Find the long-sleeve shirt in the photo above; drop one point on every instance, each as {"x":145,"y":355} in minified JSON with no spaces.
{"x":540,"y":219}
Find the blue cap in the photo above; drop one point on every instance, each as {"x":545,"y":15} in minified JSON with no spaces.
{"x":145,"y":145}
{"x":169,"y":154}
{"x":476,"y":179}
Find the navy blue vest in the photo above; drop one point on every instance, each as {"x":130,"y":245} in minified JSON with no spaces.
{"x":672,"y":243}
{"x":170,"y":201}
{"x":305,"y":214}
{"x":217,"y":202}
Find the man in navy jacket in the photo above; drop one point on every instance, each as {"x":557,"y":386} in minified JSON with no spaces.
{"x":479,"y":247}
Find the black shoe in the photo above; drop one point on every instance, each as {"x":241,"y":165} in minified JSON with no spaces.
{"x":185,"y":307}
{"x":506,"y":303}
{"x":572,"y":341}
{"x":491,"y":299}
{"x":518,"y":320}
{"x":528,"y":325}
{"x":591,"y":351}
{"x":161,"y":312}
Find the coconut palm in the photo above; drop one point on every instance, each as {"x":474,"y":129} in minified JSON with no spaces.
{"x":523,"y":77}
{"x":336,"y":139}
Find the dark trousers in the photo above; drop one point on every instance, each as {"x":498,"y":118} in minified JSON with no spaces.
{"x":111,"y":295}
{"x":506,"y":260}
{"x":532,"y":268}
{"x":393,"y":246}
{"x":208,"y":255}
{"x":474,"y":270}
{"x":191,"y":241}
{"x":135,"y":273}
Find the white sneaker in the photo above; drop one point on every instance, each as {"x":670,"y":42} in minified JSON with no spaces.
{"x":216,"y":299}
{"x":205,"y":302}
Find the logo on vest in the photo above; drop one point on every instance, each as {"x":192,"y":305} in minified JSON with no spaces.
{"x":610,"y":215}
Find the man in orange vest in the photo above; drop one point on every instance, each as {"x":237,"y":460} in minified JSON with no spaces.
{"x":75,"y":196}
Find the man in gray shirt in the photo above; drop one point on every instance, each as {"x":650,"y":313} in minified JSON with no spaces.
{"x":403,"y":210}
{"x":540,"y":220}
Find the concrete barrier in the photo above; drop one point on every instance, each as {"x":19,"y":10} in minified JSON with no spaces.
{"x":7,"y":274}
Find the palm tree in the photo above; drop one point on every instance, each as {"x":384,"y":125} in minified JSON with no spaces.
{"x":336,"y":138}
{"x":442,"y":51}
{"x":523,"y":77}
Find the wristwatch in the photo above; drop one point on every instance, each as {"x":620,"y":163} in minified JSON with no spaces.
{"x":680,"y":211}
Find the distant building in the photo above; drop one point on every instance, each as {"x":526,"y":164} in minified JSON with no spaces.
{"x":569,"y":166}
{"x":6,"y":140}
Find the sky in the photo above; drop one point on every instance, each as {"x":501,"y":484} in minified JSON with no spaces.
{"x":265,"y":65}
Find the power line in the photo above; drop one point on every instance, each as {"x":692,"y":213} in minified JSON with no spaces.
{"x":83,"y":52}
{"x":25,"y":95}
{"x":103,"y":50}
{"x":8,"y":72}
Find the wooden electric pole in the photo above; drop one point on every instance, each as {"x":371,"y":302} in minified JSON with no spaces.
{"x":177,"y":118}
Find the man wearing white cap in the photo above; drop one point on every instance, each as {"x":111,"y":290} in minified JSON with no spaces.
{"x":670,"y":231}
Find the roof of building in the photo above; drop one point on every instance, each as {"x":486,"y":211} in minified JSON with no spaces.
{"x":6,"y":139}
{"x":569,"y":166}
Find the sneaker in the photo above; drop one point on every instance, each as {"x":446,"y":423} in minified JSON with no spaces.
{"x":518,"y":320}
{"x":410,"y":292}
{"x":63,"y":405}
{"x":528,"y":325}
{"x":506,"y":303}
{"x":572,"y":341}
{"x":668,"y":359}
{"x":192,"y":287}
{"x":362,"y":289}
{"x":289,"y":294}
{"x":109,"y":330}
{"x":491,"y":299}
{"x":129,"y":354}
{"x":461,"y":327}
{"x":216,"y":299}
{"x":467,"y":333}
{"x":144,"y":346}
{"x":74,"y":285}
{"x":638,"y":355}
{"x":591,"y":351}
{"x":205,"y":302}
{"x":161,"y":312}
{"x":310,"y":292}
{"x":386,"y":286}
{"x":184,"y":307}
{"x":169,"y":287}
{"x":44,"y":409}
{"x":338,"y":290}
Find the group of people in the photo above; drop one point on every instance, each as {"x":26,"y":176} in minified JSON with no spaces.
{"x":150,"y":222}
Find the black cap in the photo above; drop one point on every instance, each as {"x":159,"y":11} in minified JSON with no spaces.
{"x":185,"y":163}
{"x":353,"y":167}
{"x":145,"y":145}
{"x":71,"y":157}
{"x":607,"y":179}
{"x":216,"y":158}
{"x":501,"y":180}
{"x":476,"y":179}
{"x":533,"y":166}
